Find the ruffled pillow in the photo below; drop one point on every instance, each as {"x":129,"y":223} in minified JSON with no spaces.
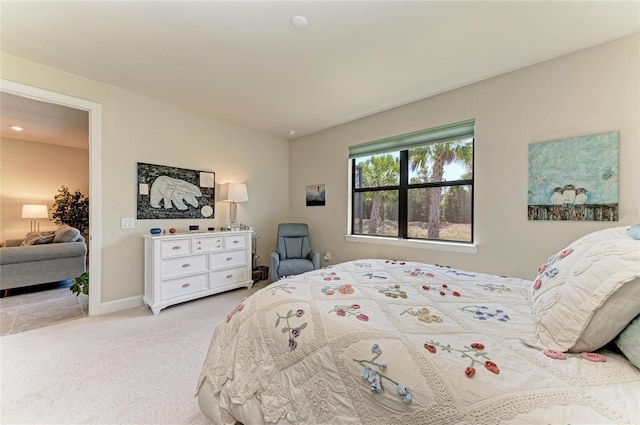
{"x":587,"y":293}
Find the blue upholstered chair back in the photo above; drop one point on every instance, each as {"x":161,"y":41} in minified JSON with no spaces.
{"x":293,"y":241}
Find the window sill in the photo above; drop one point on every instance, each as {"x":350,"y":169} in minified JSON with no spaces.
{"x":437,"y":246}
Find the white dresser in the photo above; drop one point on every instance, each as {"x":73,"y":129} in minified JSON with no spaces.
{"x":183,"y":267}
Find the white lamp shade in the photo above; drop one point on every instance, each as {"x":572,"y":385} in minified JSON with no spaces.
{"x":233,"y":192}
{"x":34,"y":211}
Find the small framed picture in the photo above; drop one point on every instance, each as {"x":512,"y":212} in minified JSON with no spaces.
{"x":315,"y":195}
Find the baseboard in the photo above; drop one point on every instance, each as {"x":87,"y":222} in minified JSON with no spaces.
{"x":123,"y":304}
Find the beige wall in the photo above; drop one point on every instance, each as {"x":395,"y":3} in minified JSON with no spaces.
{"x":32,"y":173}
{"x":588,"y":92}
{"x":135,"y":129}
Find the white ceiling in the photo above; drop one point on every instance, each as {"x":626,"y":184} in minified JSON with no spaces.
{"x":43,"y":122}
{"x":244,"y":61}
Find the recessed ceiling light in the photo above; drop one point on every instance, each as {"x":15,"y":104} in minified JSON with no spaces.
{"x":299,"y":21}
{"x":291,"y":132}
{"x":16,"y":128}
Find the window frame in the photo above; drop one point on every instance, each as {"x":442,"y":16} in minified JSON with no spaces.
{"x":404,"y":143}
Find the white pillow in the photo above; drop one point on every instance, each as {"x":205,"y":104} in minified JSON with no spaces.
{"x":588,"y":292}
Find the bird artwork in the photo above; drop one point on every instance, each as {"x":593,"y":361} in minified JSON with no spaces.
{"x":574,"y":179}
{"x":556,"y":197}
{"x":581,"y":196}
{"x":569,"y":195}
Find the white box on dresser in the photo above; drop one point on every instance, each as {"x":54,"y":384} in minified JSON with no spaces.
{"x":187,"y":266}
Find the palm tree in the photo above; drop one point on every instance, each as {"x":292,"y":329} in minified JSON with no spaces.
{"x":438,"y":155}
{"x":378,"y":171}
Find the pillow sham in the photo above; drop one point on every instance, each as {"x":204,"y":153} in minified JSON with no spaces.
{"x":629,"y":341}
{"x":587,"y":293}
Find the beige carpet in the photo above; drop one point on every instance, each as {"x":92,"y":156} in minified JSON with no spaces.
{"x":129,"y":367}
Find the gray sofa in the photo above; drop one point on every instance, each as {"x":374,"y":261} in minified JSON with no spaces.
{"x":52,"y":257}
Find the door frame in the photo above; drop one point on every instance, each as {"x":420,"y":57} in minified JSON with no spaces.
{"x":95,"y":172}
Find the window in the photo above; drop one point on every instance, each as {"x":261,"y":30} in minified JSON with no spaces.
{"x":415,"y":186}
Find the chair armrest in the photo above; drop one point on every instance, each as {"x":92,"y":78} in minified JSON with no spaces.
{"x":275,"y":263}
{"x":315,"y":259}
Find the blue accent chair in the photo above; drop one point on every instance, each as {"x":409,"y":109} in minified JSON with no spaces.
{"x":293,"y":253}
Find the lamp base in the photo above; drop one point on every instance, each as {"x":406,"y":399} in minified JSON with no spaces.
{"x":233,"y":212}
{"x":34,"y":226}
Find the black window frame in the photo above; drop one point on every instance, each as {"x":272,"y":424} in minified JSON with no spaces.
{"x":405,"y":186}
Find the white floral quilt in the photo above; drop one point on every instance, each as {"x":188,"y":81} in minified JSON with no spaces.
{"x":393,"y":342}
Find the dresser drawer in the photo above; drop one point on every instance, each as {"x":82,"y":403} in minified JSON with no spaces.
{"x":214,"y":243}
{"x":175,"y":247}
{"x":183,"y":286}
{"x":227,"y":276}
{"x":183,"y":265}
{"x":236,"y":241}
{"x":227,"y":259}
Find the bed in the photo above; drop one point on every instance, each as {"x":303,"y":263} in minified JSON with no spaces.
{"x":382,"y":341}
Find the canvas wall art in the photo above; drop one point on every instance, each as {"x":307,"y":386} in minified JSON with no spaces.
{"x":170,"y":192}
{"x":574,"y":179}
{"x":315,"y":195}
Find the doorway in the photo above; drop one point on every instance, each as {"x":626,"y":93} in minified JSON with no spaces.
{"x":94,"y":114}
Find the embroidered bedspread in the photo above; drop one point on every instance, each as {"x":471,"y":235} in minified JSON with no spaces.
{"x":391,"y":342}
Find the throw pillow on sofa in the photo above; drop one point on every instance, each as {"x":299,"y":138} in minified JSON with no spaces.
{"x":35,"y":238}
{"x":66,"y":234}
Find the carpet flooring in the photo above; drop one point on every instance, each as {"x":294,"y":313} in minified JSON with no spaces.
{"x":128,"y":367}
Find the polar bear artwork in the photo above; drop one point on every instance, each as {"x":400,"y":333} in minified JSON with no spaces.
{"x":173,"y":192}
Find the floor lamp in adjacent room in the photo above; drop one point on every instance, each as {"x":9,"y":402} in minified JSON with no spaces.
{"x":35,"y":212}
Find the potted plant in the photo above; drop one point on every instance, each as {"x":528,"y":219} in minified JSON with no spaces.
{"x":80,"y":284}
{"x":71,"y":209}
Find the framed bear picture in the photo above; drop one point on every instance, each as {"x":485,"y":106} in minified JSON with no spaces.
{"x":165,"y":192}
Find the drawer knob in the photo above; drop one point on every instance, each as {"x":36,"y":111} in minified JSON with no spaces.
{"x":236,"y":241}
{"x":186,"y":285}
{"x":186,"y":265}
{"x":219,"y":246}
{"x":229,"y":258}
{"x":198,"y":248}
{"x":229,"y":276}
{"x":176,"y":247}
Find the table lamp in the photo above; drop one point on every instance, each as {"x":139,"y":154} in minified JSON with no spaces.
{"x":233,"y":193}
